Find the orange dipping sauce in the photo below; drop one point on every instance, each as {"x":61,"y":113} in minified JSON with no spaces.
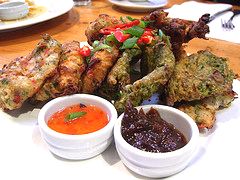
{"x":78,"y":119}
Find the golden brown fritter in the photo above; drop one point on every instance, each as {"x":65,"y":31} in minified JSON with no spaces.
{"x":181,"y":31}
{"x":198,"y":76}
{"x":204,"y":111}
{"x":23,"y":77}
{"x":104,"y":20}
{"x":66,"y":79}
{"x":99,"y":66}
{"x":119,"y":75}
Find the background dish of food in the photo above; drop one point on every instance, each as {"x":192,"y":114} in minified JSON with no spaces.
{"x":45,"y":10}
{"x":139,"y":6}
{"x":24,"y":155}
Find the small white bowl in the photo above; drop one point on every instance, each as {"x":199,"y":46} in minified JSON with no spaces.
{"x":157,"y":165}
{"x":77,"y":147}
{"x":13,"y":10}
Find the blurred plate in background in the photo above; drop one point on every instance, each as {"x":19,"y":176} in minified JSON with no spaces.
{"x":40,"y":11}
{"x":139,"y":6}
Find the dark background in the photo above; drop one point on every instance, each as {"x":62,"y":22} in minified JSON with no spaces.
{"x":235,"y":2}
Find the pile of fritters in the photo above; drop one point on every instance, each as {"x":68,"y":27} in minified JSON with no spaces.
{"x":198,"y":84}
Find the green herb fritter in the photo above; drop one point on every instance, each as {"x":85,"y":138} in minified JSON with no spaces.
{"x":198,"y":76}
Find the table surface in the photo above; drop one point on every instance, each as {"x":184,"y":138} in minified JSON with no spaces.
{"x":71,"y":26}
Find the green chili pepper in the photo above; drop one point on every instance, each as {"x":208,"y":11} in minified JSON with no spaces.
{"x":74,"y":115}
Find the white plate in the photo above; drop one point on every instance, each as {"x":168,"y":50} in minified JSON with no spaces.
{"x":24,"y":155}
{"x":139,"y":6}
{"x":53,"y":8}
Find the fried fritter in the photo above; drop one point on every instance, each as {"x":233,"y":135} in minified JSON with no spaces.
{"x":71,"y":68}
{"x":204,"y":111}
{"x":198,"y":76}
{"x":104,"y":20}
{"x":66,"y":79}
{"x":24,"y":76}
{"x":99,"y":66}
{"x":148,"y":61}
{"x":181,"y":31}
{"x":144,"y":88}
{"x":120,"y":73}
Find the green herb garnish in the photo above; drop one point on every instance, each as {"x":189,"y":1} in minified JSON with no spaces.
{"x":88,"y":58}
{"x":134,"y":31}
{"x":129,"y":43}
{"x":122,"y":19}
{"x":160,"y":33}
{"x":5,"y":81}
{"x":164,"y":38}
{"x":101,"y":47}
{"x":130,"y":18}
{"x":74,"y":115}
{"x":111,"y":39}
{"x":143,"y":24}
{"x":95,"y":43}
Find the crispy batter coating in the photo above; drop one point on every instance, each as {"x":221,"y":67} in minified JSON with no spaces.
{"x":204,"y":111}
{"x":144,"y":88}
{"x":23,"y":77}
{"x":149,"y":60}
{"x":199,"y":84}
{"x":66,"y":79}
{"x":198,"y":76}
{"x":99,"y":66}
{"x":181,"y":31}
{"x":104,"y":20}
{"x":120,"y":73}
{"x":71,"y":69}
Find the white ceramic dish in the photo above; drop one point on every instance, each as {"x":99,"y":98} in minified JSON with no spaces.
{"x":54,"y":8}
{"x":77,"y":147}
{"x":13,"y":10}
{"x":158,"y":165}
{"x":139,"y":6}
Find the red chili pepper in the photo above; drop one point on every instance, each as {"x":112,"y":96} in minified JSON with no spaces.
{"x":107,"y":30}
{"x":147,"y":33}
{"x":139,"y":41}
{"x":85,"y":51}
{"x":46,"y":52}
{"x":148,"y":29}
{"x":129,"y":24}
{"x":145,"y":39}
{"x":34,"y":81}
{"x":110,"y":30}
{"x":120,"y":36}
{"x":17,"y":98}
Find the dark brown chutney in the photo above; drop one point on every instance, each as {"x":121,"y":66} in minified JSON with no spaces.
{"x":149,"y":132}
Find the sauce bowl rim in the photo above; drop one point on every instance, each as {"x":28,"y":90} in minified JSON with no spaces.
{"x":43,"y":125}
{"x":193,"y":139}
